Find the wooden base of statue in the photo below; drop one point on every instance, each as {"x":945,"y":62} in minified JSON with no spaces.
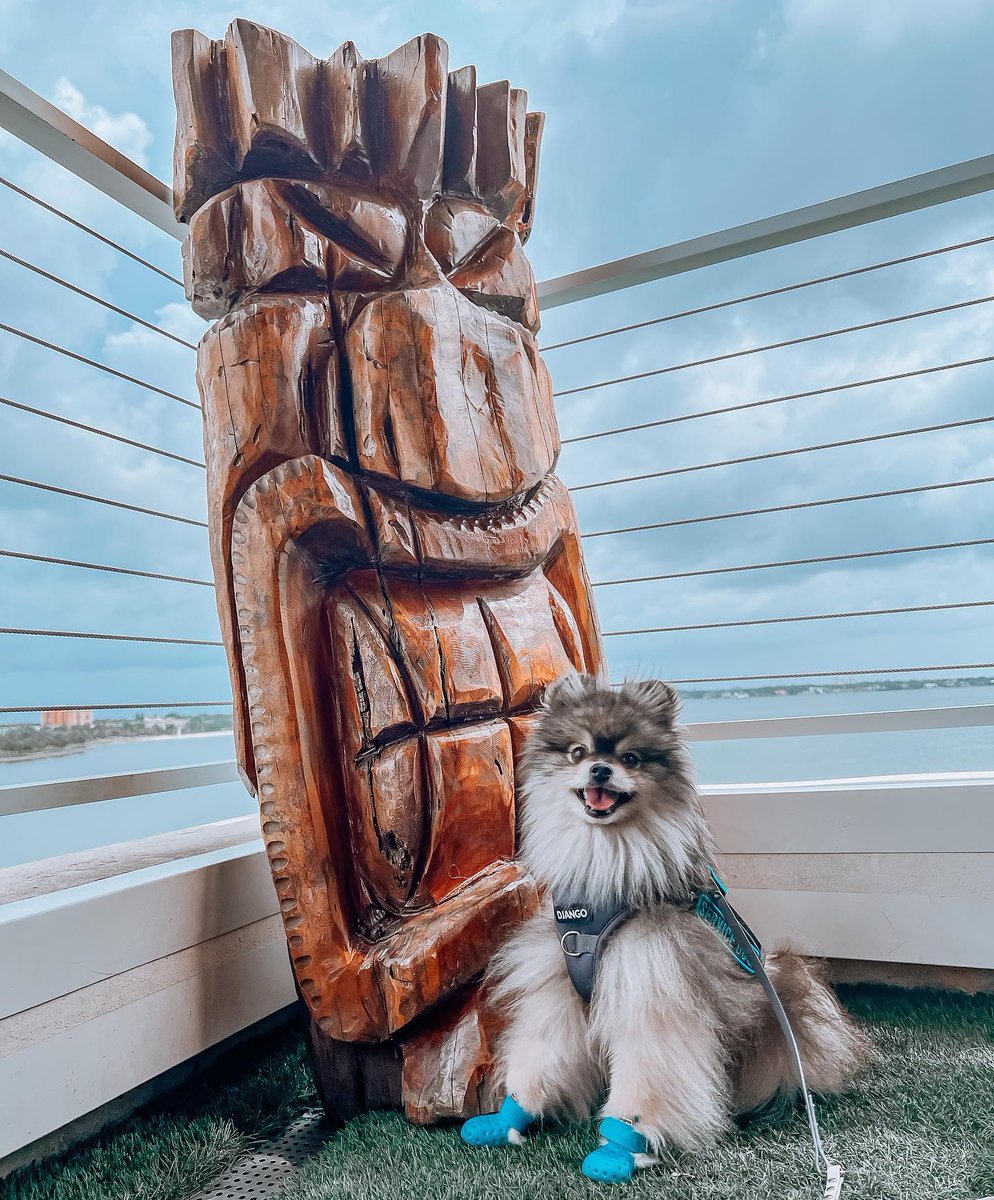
{"x":439,"y":1070}
{"x":354,"y":1077}
{"x":398,"y":569}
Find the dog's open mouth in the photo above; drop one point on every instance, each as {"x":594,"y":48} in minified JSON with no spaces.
{"x":601,"y":802}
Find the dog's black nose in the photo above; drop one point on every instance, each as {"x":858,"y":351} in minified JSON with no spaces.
{"x":600,"y":772}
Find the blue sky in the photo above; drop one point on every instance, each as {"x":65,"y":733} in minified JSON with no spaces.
{"x":665,"y":120}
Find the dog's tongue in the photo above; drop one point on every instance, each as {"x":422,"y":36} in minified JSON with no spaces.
{"x":598,"y":799}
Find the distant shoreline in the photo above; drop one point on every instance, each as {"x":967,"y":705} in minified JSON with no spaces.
{"x":781,"y":689}
{"x":54,"y":752}
{"x":62,"y":751}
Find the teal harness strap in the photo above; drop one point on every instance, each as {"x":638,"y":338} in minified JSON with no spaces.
{"x":712,"y":907}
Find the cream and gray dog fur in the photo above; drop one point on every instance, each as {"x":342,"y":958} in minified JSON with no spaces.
{"x":676,"y":1033}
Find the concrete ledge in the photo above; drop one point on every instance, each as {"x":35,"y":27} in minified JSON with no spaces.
{"x":114,"y":1111}
{"x":124,"y":979}
{"x":63,"y":871}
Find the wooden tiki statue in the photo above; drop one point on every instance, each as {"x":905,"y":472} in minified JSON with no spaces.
{"x":398,"y":570}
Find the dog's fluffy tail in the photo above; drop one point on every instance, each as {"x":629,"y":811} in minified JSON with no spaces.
{"x":832,"y":1048}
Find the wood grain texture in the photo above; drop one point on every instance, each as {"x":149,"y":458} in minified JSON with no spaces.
{"x":445,"y":1068}
{"x":398,"y":569}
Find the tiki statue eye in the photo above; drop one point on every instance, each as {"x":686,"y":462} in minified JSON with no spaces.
{"x":630,"y":759}
{"x":576,"y":753}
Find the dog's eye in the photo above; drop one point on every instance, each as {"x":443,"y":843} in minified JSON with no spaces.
{"x":630,"y":759}
{"x":575,"y":753}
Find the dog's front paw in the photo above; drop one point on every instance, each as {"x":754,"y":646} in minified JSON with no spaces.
{"x":621,"y":1153}
{"x":502,"y":1128}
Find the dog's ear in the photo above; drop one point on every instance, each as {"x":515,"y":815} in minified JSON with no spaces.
{"x":660,"y":698}
{"x":568,"y":688}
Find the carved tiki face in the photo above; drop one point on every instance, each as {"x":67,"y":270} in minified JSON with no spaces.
{"x":398,"y":569}
{"x":405,"y":201}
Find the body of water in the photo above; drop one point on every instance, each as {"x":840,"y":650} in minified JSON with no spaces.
{"x":846,"y":755}
{"x":29,"y":836}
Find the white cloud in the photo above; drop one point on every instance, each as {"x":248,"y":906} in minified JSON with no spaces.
{"x":593,"y":19}
{"x":552,"y":31}
{"x":877,"y":24}
{"x":176,"y":318}
{"x":125,"y":131}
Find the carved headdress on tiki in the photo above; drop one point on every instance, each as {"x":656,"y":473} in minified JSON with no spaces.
{"x":398,"y":570}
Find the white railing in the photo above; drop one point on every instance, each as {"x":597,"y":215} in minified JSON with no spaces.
{"x":815,"y":220}
{"x":93,"y":789}
{"x":893,"y":869}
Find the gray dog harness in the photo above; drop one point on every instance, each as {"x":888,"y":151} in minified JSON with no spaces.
{"x":584,"y":928}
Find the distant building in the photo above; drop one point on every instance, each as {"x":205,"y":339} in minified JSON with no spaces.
{"x":66,"y":718}
{"x":166,"y":724}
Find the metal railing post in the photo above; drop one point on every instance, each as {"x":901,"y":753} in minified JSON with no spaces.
{"x":48,"y":129}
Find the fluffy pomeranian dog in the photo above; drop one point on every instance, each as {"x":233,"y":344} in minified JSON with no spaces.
{"x":676,"y":1032}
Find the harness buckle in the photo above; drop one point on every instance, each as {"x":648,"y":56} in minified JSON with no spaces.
{"x":562,"y":942}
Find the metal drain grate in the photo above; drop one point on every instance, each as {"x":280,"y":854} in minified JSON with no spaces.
{"x":259,"y":1174}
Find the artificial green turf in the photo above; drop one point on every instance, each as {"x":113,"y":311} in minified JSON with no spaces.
{"x":920,"y":1126}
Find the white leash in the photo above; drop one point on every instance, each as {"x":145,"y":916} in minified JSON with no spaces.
{"x":833,"y":1171}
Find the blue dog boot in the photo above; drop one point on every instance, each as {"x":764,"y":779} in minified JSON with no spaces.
{"x":614,"y":1161}
{"x":502,"y":1128}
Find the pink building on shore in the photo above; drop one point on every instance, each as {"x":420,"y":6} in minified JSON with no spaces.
{"x":66,"y":718}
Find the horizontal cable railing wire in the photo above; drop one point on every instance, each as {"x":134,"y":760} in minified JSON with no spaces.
{"x":107,"y":637}
{"x":777,"y":291}
{"x":60,"y":491}
{"x":39,"y":708}
{"x":984,"y":666}
{"x":72,"y":287}
{"x":86,"y":229}
{"x":105,"y":433}
{"x":822,"y":391}
{"x":92,"y":362}
{"x":835,"y":616}
{"x":90,"y":566}
{"x":790,"y":562}
{"x":798,"y":341}
{"x":779,"y":508}
{"x":770,"y":454}
{"x":726,"y":516}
